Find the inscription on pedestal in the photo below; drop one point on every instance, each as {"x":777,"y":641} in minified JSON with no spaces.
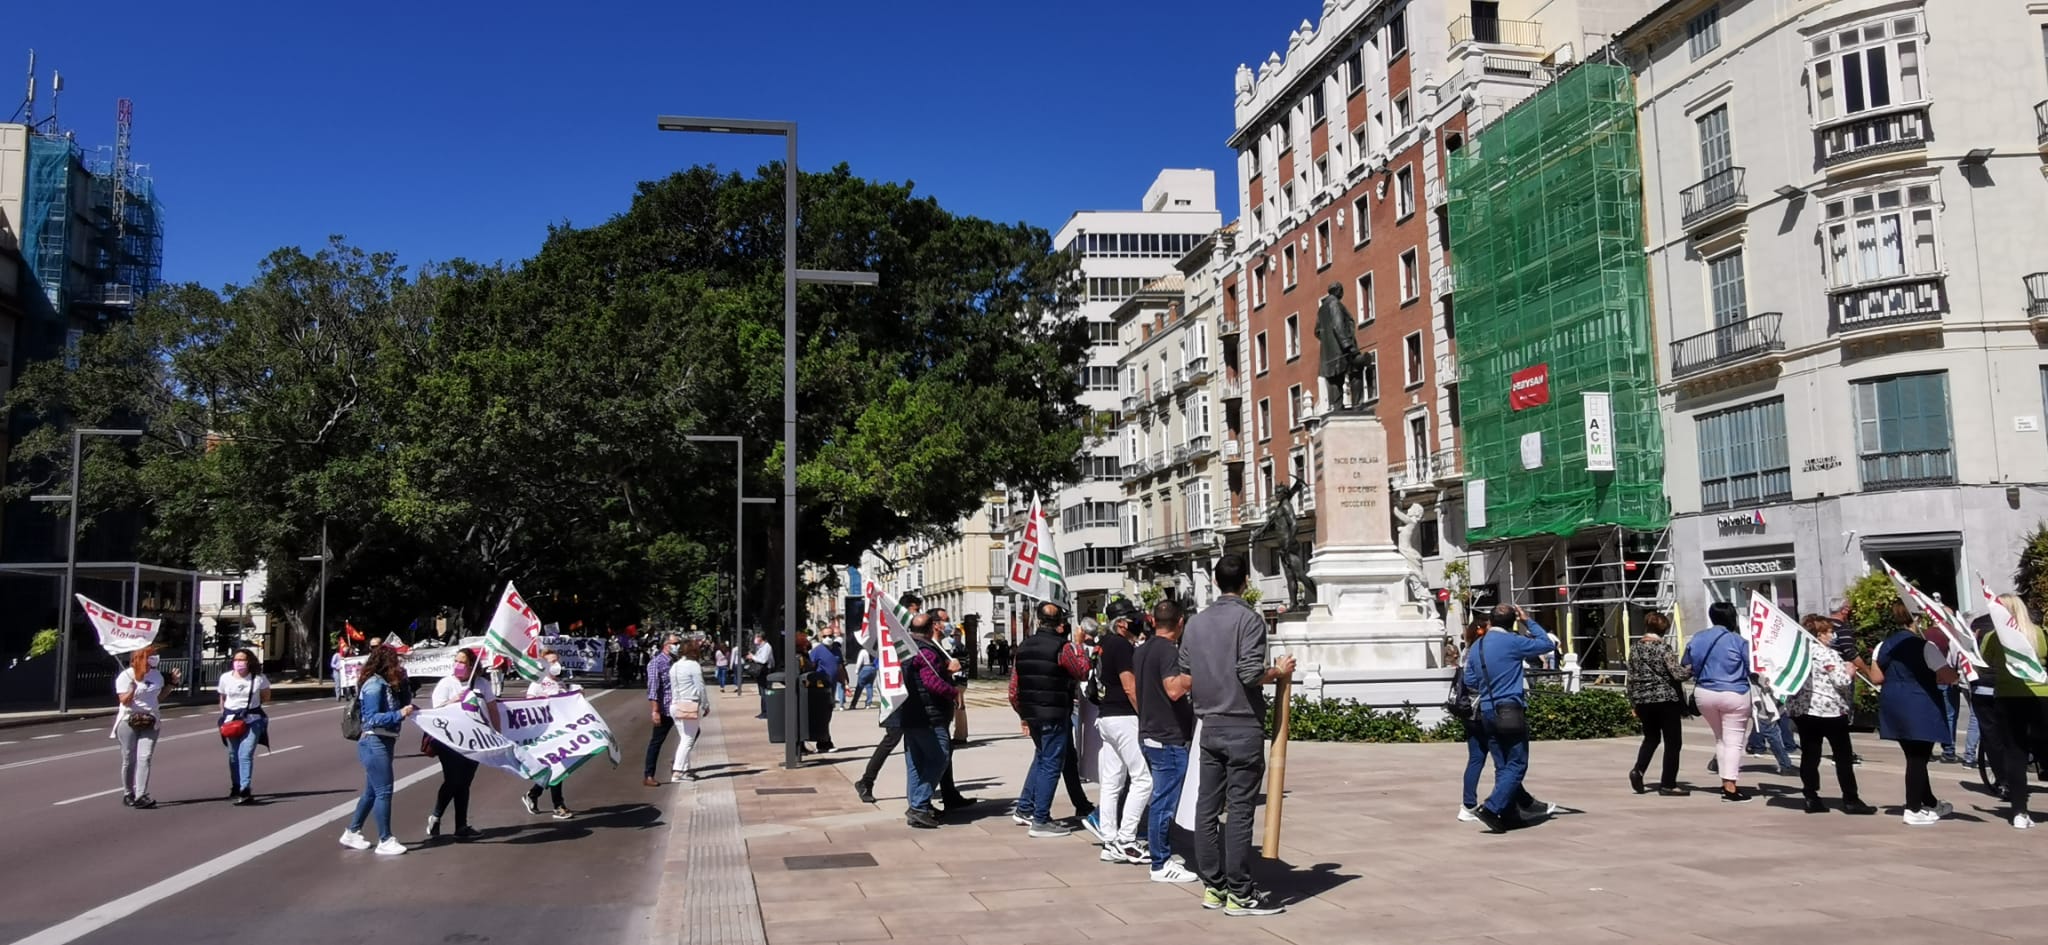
{"x":1351,"y":483}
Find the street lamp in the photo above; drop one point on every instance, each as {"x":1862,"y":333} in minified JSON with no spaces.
{"x":71,"y":565}
{"x":320,"y":668}
{"x":739,"y":527}
{"x":791,"y":724}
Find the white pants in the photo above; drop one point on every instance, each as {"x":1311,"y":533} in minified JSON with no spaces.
{"x":688,"y":729}
{"x":1122,"y":761}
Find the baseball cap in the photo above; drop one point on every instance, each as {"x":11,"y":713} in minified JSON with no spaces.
{"x":1123,"y":608}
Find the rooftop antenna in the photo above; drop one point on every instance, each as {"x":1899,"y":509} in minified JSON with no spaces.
{"x":56,"y":89}
{"x":29,"y":105}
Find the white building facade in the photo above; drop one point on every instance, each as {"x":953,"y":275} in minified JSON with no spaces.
{"x":1846,"y":205}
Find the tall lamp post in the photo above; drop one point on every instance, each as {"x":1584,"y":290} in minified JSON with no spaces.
{"x":71,"y":564}
{"x":739,"y":528}
{"x":320,"y":668}
{"x":791,"y":725}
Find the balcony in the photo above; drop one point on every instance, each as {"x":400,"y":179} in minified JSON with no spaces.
{"x":1907,"y":469}
{"x":1443,"y":281}
{"x":2037,"y":296}
{"x":1733,"y":343}
{"x":1720,"y":195}
{"x":1232,"y":388}
{"x":1413,"y":476}
{"x":1200,"y":446}
{"x":1447,"y":465}
{"x":1161,"y":390}
{"x":1131,"y":402}
{"x":1492,"y":31}
{"x":1903,"y":301}
{"x":2041,"y":124}
{"x":1198,"y":370}
{"x":1903,"y":130}
{"x":1232,"y":452}
{"x":1229,"y":325}
{"x":1181,"y":454}
{"x":1447,"y":367}
{"x":1138,"y":470}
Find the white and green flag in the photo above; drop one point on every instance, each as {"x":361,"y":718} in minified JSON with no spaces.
{"x":514,"y":633}
{"x":1035,"y":567}
{"x":539,"y":738}
{"x":2020,"y":659}
{"x":1960,"y":644}
{"x":1780,"y":650}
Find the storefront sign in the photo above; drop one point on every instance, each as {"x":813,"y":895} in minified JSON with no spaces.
{"x":1599,"y":432}
{"x":1750,"y":567}
{"x":1820,"y":463}
{"x":1751,"y":521}
{"x":1529,"y":387}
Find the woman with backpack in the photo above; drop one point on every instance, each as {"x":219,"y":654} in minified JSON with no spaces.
{"x":1910,"y":671}
{"x":468,"y":687}
{"x":244,"y":691}
{"x":1656,"y":693}
{"x":1718,"y":659}
{"x":380,"y":710}
{"x":138,"y":688}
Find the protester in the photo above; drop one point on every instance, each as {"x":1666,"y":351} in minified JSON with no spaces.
{"x":381,"y":713}
{"x":1494,"y":670}
{"x":2021,"y":708}
{"x":1718,"y":659}
{"x":1770,"y":726}
{"x":1980,"y":743}
{"x":1121,"y":760}
{"x":1224,"y":651}
{"x":947,"y":635}
{"x":1910,"y":672}
{"x":1166,"y":722}
{"x":926,"y":720}
{"x":658,"y":697}
{"x":1821,"y":711}
{"x":864,"y":679}
{"x":244,"y":691}
{"x":1656,"y":691}
{"x":839,"y":678}
{"x":334,"y":669}
{"x":687,"y":705}
{"x":830,"y":668}
{"x":139,"y":690}
{"x":1042,"y":693}
{"x":549,"y":684}
{"x":467,"y":687}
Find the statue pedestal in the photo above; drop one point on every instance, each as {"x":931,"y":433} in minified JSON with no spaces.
{"x":1362,"y":638}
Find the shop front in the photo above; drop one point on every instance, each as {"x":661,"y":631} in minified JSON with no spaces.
{"x":1773,"y":571}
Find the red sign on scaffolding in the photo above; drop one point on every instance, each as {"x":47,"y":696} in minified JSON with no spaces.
{"x":1529,"y":387}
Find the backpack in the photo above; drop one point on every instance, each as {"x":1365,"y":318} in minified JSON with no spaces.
{"x":352,"y":719}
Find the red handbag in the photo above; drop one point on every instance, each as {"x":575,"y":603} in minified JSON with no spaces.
{"x":233,"y":729}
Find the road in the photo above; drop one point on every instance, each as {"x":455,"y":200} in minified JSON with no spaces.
{"x":76,"y":866}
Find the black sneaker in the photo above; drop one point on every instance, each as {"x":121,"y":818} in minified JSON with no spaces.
{"x":127,"y":800}
{"x":1495,"y":823}
{"x":244,"y":799}
{"x":920,"y":818}
{"x":1635,"y":782}
{"x":959,"y":802}
{"x":1815,"y":805}
{"x":1674,"y":790}
{"x":1853,"y":806}
{"x":1737,"y":796}
{"x":145,"y":802}
{"x":1949,"y":758}
{"x":1253,"y":901}
{"x":467,"y":832}
{"x":864,"y":791}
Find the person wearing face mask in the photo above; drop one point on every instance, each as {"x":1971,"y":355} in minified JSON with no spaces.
{"x":549,"y":684}
{"x":138,"y":688}
{"x":687,"y":706}
{"x":244,"y":691}
{"x":471,"y":689}
{"x":657,"y":703}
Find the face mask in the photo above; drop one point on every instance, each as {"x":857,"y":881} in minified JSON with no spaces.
{"x":554,"y":669}
{"x":242,"y":666}
{"x":155,"y":660}
{"x":462,"y":671}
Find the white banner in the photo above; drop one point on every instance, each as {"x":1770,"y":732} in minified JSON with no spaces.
{"x":431,"y":662}
{"x":540,"y":739}
{"x":883,"y":633}
{"x":118,"y":634}
{"x":579,"y":654}
{"x":1599,"y":432}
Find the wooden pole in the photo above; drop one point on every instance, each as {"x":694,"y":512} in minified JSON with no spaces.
{"x":1276,"y":772}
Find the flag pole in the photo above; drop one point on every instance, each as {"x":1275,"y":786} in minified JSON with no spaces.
{"x":1276,"y":774}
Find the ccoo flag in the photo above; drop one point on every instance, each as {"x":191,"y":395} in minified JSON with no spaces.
{"x":1957,"y":641}
{"x":883,"y":632}
{"x":1779,"y":648}
{"x":515,"y":633}
{"x":2020,"y":659}
{"x":1035,"y":568}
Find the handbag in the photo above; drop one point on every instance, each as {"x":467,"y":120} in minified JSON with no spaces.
{"x":233,"y":728}
{"x":1459,"y":704}
{"x":1510,"y":719}
{"x":686,"y":709}
{"x":141,"y":720}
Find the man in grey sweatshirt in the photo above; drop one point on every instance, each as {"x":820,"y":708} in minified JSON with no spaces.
{"x":1224,"y":651}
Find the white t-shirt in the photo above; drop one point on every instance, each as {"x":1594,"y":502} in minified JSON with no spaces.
{"x":449,"y":689}
{"x":238,"y":693}
{"x":147,"y":693}
{"x":765,"y":654}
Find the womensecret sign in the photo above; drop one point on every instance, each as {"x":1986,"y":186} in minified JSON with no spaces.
{"x":1529,"y":387}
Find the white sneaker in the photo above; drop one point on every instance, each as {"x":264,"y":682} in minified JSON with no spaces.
{"x":391,"y":847}
{"x":675,"y":777}
{"x":2022,"y":822}
{"x":353,"y":839}
{"x":1111,"y":853}
{"x":1172,"y":873}
{"x":532,"y":805}
{"x":1921,"y":818}
{"x":1465,"y":815}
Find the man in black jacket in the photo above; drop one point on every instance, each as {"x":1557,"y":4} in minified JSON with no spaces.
{"x":926,"y":719}
{"x":1042,"y":692}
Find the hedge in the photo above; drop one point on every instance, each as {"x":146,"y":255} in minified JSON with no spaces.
{"x":1554,"y":715}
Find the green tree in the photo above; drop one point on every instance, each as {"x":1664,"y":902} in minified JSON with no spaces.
{"x":2030,"y":578}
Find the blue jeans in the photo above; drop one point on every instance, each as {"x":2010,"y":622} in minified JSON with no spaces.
{"x":1951,"y":703}
{"x":374,"y":751}
{"x":1773,"y":735}
{"x":1511,"y":764}
{"x":924,"y":763}
{"x":722,"y":673}
{"x":864,"y":683}
{"x":1475,"y":762}
{"x":242,"y":755}
{"x":838,"y":692}
{"x":1049,"y":743}
{"x":1169,"y":764}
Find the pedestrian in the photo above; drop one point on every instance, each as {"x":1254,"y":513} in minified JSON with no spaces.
{"x":381,"y":712}
{"x":947,"y":635}
{"x":658,"y":694}
{"x":1494,"y":671}
{"x":864,"y":679}
{"x":1042,"y":693}
{"x":1821,"y":711}
{"x":1224,"y":651}
{"x":1718,"y":659}
{"x":1771,"y":726}
{"x":762,"y":662}
{"x":2021,"y":708}
{"x":722,"y":657}
{"x":139,"y":690}
{"x":1479,"y":747}
{"x":925,"y":720}
{"x":465,"y":686}
{"x":1121,"y":760}
{"x":1166,"y":722}
{"x":1910,"y":672}
{"x":839,"y":679}
{"x":687,"y":705}
{"x":1980,"y":743}
{"x":1656,"y":692}
{"x":549,"y":684}
{"x":244,"y":725}
{"x":829,"y":669}
{"x":334,"y":669}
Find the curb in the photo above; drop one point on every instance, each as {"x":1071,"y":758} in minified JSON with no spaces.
{"x":106,"y":711}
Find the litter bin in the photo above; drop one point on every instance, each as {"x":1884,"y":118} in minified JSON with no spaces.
{"x":817,"y":704}
{"x":776,"y":709}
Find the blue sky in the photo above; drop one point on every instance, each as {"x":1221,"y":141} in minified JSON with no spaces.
{"x":445,"y":128}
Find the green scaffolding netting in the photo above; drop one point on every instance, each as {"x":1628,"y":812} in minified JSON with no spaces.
{"x":1546,"y":214}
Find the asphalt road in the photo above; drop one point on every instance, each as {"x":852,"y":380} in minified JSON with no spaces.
{"x":76,"y":866}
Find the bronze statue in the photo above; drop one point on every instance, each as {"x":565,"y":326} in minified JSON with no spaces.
{"x":1280,"y":519}
{"x":1337,"y":336}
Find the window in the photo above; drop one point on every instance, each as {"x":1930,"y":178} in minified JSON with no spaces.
{"x":1902,"y":431}
{"x":1089,"y":515}
{"x":1368,"y":306}
{"x":1262,"y":360}
{"x":1361,"y":220}
{"x":1292,"y":337}
{"x":1287,"y":197}
{"x":1411,"y":278}
{"x":1294,"y":407}
{"x":1198,"y":417}
{"x":1102,"y":378}
{"x":1289,"y":275}
{"x":1354,"y":70}
{"x":1417,"y":444}
{"x":1323,"y":244}
{"x":1258,"y":220}
{"x":1413,"y":373}
{"x":1114,"y":288}
{"x":1322,"y":173}
{"x":231,"y":595}
{"x":1867,"y":66}
{"x":1265,"y":418}
{"x":1397,"y":34}
{"x":1358,"y":148}
{"x":1880,"y":235}
{"x":1743,"y":456}
{"x":1259,"y":284}
{"x":1716,"y":152}
{"x":1372,"y":375}
{"x":1102,"y":333}
{"x":1703,"y":32}
{"x":1317,"y":112}
{"x":1109,"y":468}
{"x":1095,"y":561}
{"x":1265,"y":480}
{"x":1726,"y":294}
{"x":1404,"y":113}
{"x":1404,"y":192}
{"x":1199,"y":504}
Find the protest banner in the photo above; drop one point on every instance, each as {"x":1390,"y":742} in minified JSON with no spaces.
{"x":884,"y":634}
{"x":514,"y":633}
{"x":119,"y":634}
{"x":1780,"y":650}
{"x":431,"y":662}
{"x":540,"y":738}
{"x":1950,"y":634}
{"x":2020,"y":659}
{"x":578,"y":654}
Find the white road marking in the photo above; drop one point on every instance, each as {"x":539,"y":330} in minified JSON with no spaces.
{"x":92,"y":920}
{"x":88,"y":797}
{"x":6,"y":743}
{"x":283,"y":750}
{"x":42,"y":737}
{"x":160,"y":740}
{"x":82,"y":731}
